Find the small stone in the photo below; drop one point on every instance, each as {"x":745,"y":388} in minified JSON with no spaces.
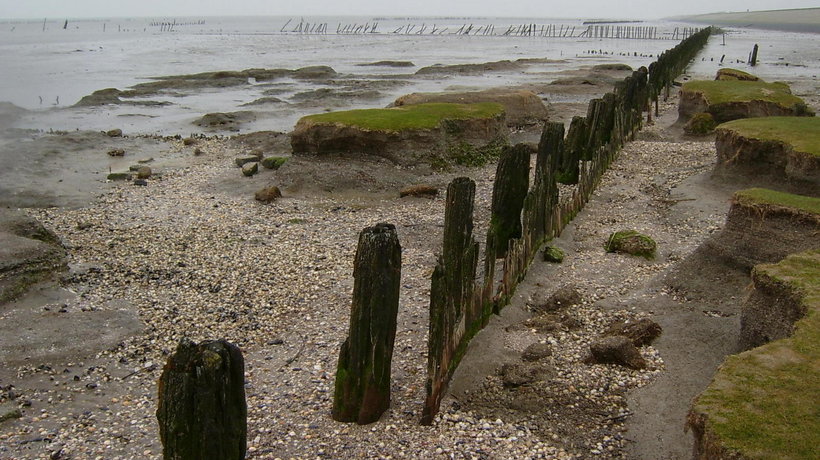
{"x":119,"y":176}
{"x":189,"y":141}
{"x":616,"y":350}
{"x":241,"y":161}
{"x":641,"y":332}
{"x":517,"y":374}
{"x":144,"y":172}
{"x":631,"y":242}
{"x":553,"y":254}
{"x":114,"y":133}
{"x":249,"y":169}
{"x":268,"y":194}
{"x":198,"y":151}
{"x":536,"y":352}
{"x":544,"y":323}
{"x":116,"y":153}
{"x":565,"y":296}
{"x":141,"y":182}
{"x":273,"y":162}
{"x":421,"y":190}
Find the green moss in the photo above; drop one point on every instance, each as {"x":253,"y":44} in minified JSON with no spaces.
{"x":722,"y":92}
{"x":421,"y":116}
{"x":466,"y":154}
{"x":735,"y":74}
{"x":631,"y":242}
{"x":119,"y":176}
{"x":762,"y":196}
{"x":553,"y":254}
{"x":700,"y":124}
{"x":802,"y":133}
{"x":763,"y":403}
{"x":273,"y":162}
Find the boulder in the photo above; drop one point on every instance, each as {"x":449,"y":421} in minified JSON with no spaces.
{"x":641,"y":332}
{"x":273,"y":162}
{"x":268,"y":194}
{"x":249,"y":169}
{"x":521,"y":107}
{"x":116,"y":153}
{"x":632,"y":243}
{"x":189,"y":141}
{"x":114,"y":133}
{"x":616,"y":350}
{"x":230,"y":121}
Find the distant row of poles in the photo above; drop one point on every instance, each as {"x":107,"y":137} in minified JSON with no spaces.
{"x":515,"y":30}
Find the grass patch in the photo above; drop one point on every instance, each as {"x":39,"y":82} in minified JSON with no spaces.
{"x":761,"y":196}
{"x":734,"y":75}
{"x":763,"y":402}
{"x":421,"y":116}
{"x":802,"y":133}
{"x":722,"y":92}
{"x":466,"y":154}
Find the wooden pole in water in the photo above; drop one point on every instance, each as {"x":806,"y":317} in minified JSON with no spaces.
{"x":753,"y":61}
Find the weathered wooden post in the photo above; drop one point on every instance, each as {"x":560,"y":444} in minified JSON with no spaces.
{"x":452,"y":288}
{"x":753,"y":60}
{"x":362,"y":389}
{"x":512,"y":180}
{"x":573,"y":151}
{"x":202,"y":411}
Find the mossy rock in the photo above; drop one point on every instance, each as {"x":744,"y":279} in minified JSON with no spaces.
{"x":273,"y":162}
{"x":118,"y":176}
{"x":729,"y":100}
{"x":762,"y":403}
{"x":735,"y":75}
{"x":700,"y":125}
{"x":631,"y":242}
{"x":553,"y":254}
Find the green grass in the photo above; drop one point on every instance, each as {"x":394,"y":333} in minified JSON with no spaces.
{"x":421,"y":116}
{"x":735,"y":74}
{"x":762,"y":196}
{"x":763,"y":403}
{"x":802,"y":133}
{"x":721,"y":92}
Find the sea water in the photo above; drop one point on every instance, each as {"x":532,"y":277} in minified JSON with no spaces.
{"x":49,"y":65}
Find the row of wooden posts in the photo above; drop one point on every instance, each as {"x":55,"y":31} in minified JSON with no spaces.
{"x":202,"y":411}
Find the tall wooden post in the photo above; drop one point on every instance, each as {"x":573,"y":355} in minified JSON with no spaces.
{"x":512,"y":180}
{"x":362,"y":389}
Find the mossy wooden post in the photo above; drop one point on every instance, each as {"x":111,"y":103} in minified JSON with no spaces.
{"x":545,"y":189}
{"x":202,"y":411}
{"x":753,"y":60}
{"x":451,"y":293}
{"x":512,"y":179}
{"x":362,"y":389}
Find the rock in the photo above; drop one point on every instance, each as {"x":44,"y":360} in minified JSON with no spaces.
{"x":134,"y":168}
{"x":116,"y":153}
{"x":521,"y":107}
{"x":421,"y":190}
{"x":189,"y":141}
{"x":314,"y":72}
{"x":273,"y":162}
{"x":641,"y":332}
{"x":631,"y":242}
{"x":544,"y":323}
{"x":10,"y":414}
{"x":241,"y":161}
{"x":553,"y":254}
{"x":537,"y":352}
{"x":616,"y":67}
{"x":387,"y":64}
{"x":114,"y":133}
{"x":198,"y":151}
{"x":700,"y":124}
{"x":144,"y":172}
{"x":565,"y":296}
{"x":141,"y":182}
{"x":258,"y":154}
{"x":119,"y":176}
{"x":249,"y":169}
{"x":145,"y":160}
{"x":230,"y":121}
{"x":29,"y":253}
{"x":517,"y":374}
{"x":268,"y":194}
{"x":616,"y":350}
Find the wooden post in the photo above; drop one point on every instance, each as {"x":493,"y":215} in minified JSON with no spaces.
{"x":362,"y":389}
{"x":451,"y":293}
{"x":509,"y":190}
{"x":202,"y":411}
{"x":753,"y":60}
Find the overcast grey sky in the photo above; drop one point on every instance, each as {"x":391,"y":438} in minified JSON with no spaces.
{"x":630,"y":9}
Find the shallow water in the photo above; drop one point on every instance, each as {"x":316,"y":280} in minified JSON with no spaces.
{"x":47,"y":71}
